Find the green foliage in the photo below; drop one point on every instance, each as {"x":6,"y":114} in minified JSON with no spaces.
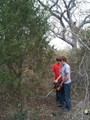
{"x":35,"y":115}
{"x":20,"y":115}
{"x":22,"y":35}
{"x":85,"y":37}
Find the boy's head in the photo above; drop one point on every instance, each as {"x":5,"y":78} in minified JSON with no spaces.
{"x":63,"y":58}
{"x":58,"y":59}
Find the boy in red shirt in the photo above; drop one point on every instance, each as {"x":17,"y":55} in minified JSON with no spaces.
{"x":56,"y":68}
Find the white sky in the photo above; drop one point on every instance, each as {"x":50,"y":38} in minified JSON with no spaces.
{"x":59,"y":44}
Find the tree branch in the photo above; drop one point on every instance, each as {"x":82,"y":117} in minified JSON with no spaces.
{"x":54,"y":4}
{"x":85,"y":21}
{"x":52,"y":13}
{"x":62,"y":36}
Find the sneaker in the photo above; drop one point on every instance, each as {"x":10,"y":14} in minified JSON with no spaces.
{"x":68,"y":112}
{"x":61,"y":106}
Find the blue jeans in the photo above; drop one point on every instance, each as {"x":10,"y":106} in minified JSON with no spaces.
{"x":57,"y":95}
{"x":61,"y":96}
{"x":67,"y":97}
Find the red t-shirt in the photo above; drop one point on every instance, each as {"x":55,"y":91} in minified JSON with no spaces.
{"x":57,"y":71}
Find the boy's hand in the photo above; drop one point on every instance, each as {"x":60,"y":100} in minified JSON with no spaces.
{"x":55,"y":81}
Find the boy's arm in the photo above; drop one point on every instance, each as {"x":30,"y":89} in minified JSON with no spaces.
{"x":65,"y":79}
{"x":58,"y":78}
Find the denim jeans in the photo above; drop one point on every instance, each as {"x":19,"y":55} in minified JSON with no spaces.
{"x":57,"y":95}
{"x":67,"y":96}
{"x":61,"y":96}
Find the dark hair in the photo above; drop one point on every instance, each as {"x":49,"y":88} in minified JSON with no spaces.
{"x":63,"y":58}
{"x":58,"y":59}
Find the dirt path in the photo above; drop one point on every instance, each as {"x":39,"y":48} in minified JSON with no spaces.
{"x":42,"y":108}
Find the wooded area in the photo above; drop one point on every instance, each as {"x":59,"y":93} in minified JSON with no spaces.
{"x":26,"y":57}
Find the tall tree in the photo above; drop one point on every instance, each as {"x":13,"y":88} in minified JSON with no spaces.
{"x":68,"y":18}
{"x":22,"y":33}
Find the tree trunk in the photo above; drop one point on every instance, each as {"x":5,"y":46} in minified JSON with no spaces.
{"x":74,"y":42}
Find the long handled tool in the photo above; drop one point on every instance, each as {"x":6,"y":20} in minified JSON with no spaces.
{"x":56,"y":86}
{"x":49,"y":92}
